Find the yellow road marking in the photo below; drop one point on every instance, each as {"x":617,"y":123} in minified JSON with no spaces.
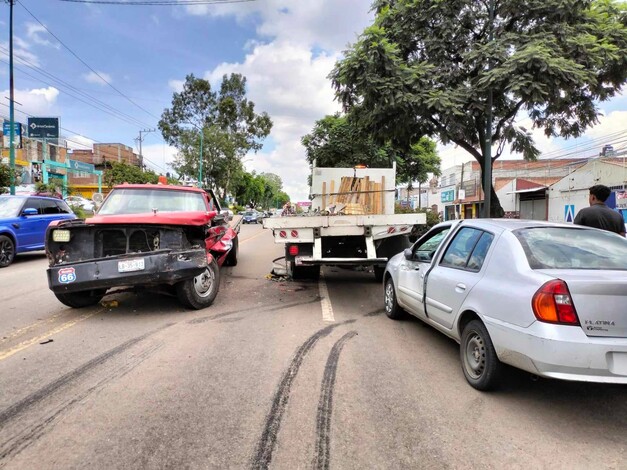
{"x":32,"y":326}
{"x":26,"y":344}
{"x":254,"y":236}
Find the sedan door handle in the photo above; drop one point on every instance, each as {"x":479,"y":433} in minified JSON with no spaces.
{"x":460,"y":287}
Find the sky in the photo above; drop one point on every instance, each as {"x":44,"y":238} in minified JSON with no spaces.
{"x":109,"y":71}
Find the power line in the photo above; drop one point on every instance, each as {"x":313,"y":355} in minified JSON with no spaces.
{"x":86,"y":64}
{"x":100,"y":105}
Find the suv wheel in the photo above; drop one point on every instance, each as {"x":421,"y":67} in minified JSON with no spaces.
{"x":7,"y":251}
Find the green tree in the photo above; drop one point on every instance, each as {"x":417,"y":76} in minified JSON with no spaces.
{"x":229,"y":124}
{"x":337,"y":141}
{"x":5,"y":178}
{"x":119,"y":172}
{"x":426,"y":68}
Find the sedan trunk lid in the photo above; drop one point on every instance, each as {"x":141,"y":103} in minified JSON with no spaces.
{"x":600,"y":299}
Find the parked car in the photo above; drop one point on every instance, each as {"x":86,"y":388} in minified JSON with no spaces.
{"x":546,"y":298}
{"x":23,"y":223}
{"x":143,"y":236}
{"x":252,"y":217}
{"x":81,"y":202}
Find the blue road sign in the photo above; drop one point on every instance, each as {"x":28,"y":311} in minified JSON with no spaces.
{"x":81,"y":166}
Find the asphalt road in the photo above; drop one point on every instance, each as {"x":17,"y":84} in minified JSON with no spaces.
{"x":275,"y":374}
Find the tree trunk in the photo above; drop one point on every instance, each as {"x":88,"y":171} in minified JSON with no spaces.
{"x":496,"y":210}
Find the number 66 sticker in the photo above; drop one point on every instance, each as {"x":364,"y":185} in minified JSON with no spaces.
{"x":67,"y":275}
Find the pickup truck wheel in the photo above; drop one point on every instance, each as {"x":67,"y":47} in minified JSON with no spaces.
{"x":480,"y":363}
{"x":200,"y":292}
{"x":392,"y":309}
{"x":81,"y":299}
{"x":7,"y":251}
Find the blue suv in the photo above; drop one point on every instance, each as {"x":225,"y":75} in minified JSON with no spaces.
{"x":23,"y":223}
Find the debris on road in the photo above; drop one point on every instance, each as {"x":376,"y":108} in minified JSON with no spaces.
{"x":109,"y":303}
{"x":47,"y":341}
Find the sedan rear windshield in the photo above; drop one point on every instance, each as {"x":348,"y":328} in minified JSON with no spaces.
{"x":570,"y":248}
{"x":139,"y":201}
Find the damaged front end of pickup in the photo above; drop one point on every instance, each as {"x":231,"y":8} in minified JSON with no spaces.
{"x":86,"y":260}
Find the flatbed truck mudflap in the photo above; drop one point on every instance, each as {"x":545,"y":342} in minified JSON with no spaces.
{"x":142,"y":269}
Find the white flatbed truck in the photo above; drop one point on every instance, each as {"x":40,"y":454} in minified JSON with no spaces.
{"x":353,"y":222}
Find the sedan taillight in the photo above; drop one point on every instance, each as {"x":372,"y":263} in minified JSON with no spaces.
{"x":553,"y":304}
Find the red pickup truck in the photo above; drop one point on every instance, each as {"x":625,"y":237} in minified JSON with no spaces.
{"x":143,"y":235}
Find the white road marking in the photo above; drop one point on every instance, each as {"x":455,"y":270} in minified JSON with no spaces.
{"x":325,"y":301}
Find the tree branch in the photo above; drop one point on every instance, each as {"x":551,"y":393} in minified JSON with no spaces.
{"x":465,"y":145}
{"x":506,"y":118}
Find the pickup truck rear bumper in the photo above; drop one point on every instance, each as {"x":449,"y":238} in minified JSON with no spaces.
{"x":159,"y":268}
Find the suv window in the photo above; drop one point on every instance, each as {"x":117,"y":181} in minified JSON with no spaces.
{"x":468,"y":249}
{"x":63,"y":207}
{"x":33,"y":203}
{"x":48,"y":207}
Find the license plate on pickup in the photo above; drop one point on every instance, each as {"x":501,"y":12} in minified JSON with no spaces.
{"x":130,"y":265}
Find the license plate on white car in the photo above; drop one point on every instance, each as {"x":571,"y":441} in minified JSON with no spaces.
{"x":130,"y":265}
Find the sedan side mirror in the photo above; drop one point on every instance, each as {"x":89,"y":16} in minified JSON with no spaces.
{"x":409,"y":255}
{"x":29,"y":211}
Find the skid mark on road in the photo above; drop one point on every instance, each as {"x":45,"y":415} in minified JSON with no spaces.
{"x":21,"y":406}
{"x":325,"y":405}
{"x":267,"y":443}
{"x":23,"y":438}
{"x":26,"y":344}
{"x":256,"y":308}
{"x":325,"y":301}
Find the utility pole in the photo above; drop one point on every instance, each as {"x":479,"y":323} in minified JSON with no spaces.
{"x":487,"y":153}
{"x":11,"y":102}
{"x":140,"y":139}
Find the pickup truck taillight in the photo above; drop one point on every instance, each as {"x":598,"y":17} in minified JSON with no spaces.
{"x":552,"y":303}
{"x":293,"y":250}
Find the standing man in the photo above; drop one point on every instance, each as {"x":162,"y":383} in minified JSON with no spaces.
{"x":598,"y":215}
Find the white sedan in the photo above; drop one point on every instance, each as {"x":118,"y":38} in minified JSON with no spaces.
{"x":547,"y":298}
{"x":81,"y":202}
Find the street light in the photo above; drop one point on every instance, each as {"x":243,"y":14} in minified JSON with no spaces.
{"x":11,"y":103}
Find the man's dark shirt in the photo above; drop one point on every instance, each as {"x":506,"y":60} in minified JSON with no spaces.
{"x":601,"y":216}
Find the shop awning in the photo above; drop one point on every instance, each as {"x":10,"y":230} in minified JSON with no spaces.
{"x":528,"y":190}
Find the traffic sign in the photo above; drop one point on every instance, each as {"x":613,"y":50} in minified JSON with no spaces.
{"x":81,"y":166}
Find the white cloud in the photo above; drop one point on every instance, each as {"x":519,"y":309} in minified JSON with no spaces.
{"x":21,"y":52}
{"x":176,"y":85}
{"x":79,"y":142}
{"x":610,"y":124}
{"x":37,"y":102}
{"x":34,"y":32}
{"x":290,"y":84}
{"x":99,"y":78}
{"x":320,"y":23}
{"x":158,"y":157}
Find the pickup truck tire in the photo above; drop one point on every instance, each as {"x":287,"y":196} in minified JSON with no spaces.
{"x":231,"y":258}
{"x":200,"y":292}
{"x":81,"y":299}
{"x":7,"y":251}
{"x":480,"y":364}
{"x":392,"y":309}
{"x":302,"y":272}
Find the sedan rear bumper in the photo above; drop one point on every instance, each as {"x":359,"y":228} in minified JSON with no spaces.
{"x":159,"y":268}
{"x":560,"y":352}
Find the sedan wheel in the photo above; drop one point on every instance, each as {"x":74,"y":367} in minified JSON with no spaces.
{"x":392,"y":309}
{"x":7,"y":251}
{"x":480,"y":363}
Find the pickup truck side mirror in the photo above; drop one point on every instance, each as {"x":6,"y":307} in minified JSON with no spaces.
{"x":29,"y":211}
{"x":409,"y":255}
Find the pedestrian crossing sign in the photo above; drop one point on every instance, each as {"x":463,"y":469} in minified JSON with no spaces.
{"x":569,"y":212}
